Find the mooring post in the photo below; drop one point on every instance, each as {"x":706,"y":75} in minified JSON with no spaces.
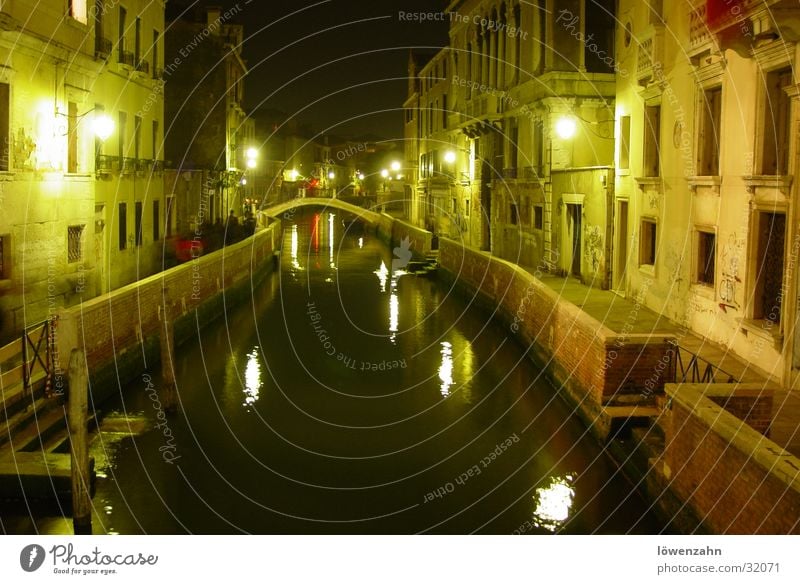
{"x":169,"y":392}
{"x":77,"y":414}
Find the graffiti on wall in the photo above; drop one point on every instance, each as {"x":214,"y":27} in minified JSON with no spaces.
{"x":729,"y":282}
{"x":593,"y":241}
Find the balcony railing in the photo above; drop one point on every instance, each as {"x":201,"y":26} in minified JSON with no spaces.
{"x":102,"y":48}
{"x":650,"y":55}
{"x":129,"y":165}
{"x":509,"y":173}
{"x":126,"y":58}
{"x":688,"y":367}
{"x":106,"y":163}
{"x":143,"y":67}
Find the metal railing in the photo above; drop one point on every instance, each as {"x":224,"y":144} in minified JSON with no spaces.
{"x":689,"y":367}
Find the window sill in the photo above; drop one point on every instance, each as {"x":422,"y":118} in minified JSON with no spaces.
{"x":711,"y":183}
{"x":649,"y":269}
{"x":703,"y":289}
{"x":764,"y":329}
{"x":623,"y":172}
{"x":649,"y":182}
{"x":782,"y":183}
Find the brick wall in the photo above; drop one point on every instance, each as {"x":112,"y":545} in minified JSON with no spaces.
{"x":735,"y":480}
{"x":593,"y":364}
{"x":107,"y":326}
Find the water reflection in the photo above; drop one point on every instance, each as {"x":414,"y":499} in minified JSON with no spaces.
{"x":330,"y":240}
{"x":252,"y":378}
{"x":295,"y":245}
{"x":383,"y":275}
{"x":553,"y":503}
{"x":446,"y":368}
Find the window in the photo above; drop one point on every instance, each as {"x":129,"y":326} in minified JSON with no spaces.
{"x":706,"y":254}
{"x":466,"y":207}
{"x":123,"y":15}
{"x":156,"y":36}
{"x":74,"y":243}
{"x":138,"y":223}
{"x":775,"y":140}
{"x":444,"y":112}
{"x":652,"y":140}
{"x":538,"y":217}
{"x":647,"y":243}
{"x":5,"y":139}
{"x":625,"y":142}
{"x":709,"y":135}
{"x":137,"y":42}
{"x":72,"y":137}
{"x":99,"y":34}
{"x":77,"y":10}
{"x":409,"y":115}
{"x":5,"y":257}
{"x":121,"y":131}
{"x":156,"y":221}
{"x":768,"y":295}
{"x":514,"y":214}
{"x":170,"y":204}
{"x":137,"y":136}
{"x":454,"y":204}
{"x":538,"y":139}
{"x":154,"y":139}
{"x":123,"y":226}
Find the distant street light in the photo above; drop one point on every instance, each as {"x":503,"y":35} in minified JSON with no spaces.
{"x":360,"y":176}
{"x":395,"y":166}
{"x":331,"y":175}
{"x":385,"y":173}
{"x":251,"y":154}
{"x":449,"y":157}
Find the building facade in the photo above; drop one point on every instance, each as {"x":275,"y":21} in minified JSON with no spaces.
{"x":68,"y":69}
{"x":706,"y":226}
{"x":512,"y":127}
{"x":209,"y":135}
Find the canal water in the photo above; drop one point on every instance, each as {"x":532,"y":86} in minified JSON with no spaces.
{"x":352,"y":397}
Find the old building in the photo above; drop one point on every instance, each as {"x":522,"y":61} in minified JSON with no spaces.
{"x":706,"y":228}
{"x":208,"y":138}
{"x":81,"y":121}
{"x":515,"y":128}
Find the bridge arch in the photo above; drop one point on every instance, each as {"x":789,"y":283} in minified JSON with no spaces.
{"x":277,"y":211}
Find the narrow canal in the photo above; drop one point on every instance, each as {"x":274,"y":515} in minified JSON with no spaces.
{"x":351,"y":397}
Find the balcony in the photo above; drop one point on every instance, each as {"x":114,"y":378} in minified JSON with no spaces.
{"x":650,"y":55}
{"x":126,"y":58}
{"x":740,"y":29}
{"x":105,"y":164}
{"x":102,"y":48}
{"x":143,"y":67}
{"x":128,"y":165}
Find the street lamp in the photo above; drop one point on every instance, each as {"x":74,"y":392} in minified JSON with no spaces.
{"x":103,"y":127}
{"x":385,"y":173}
{"x":251,"y":154}
{"x":565,"y":127}
{"x":449,"y":157}
{"x":395,"y":166}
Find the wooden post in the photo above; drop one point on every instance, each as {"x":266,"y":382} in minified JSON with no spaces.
{"x":169,"y":396}
{"x":77,"y":412}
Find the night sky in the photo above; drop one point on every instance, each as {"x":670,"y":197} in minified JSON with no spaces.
{"x":339,"y":65}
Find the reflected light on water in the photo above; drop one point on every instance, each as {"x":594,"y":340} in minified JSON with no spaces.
{"x":553,"y":503}
{"x":360,"y":243}
{"x":252,"y":378}
{"x":295,"y":247}
{"x":446,"y":368}
{"x":383,"y":275}
{"x":330,"y":239}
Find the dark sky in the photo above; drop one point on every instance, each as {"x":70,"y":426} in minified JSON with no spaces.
{"x":348,"y":56}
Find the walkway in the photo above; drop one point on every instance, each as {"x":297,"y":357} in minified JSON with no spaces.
{"x":623,"y":314}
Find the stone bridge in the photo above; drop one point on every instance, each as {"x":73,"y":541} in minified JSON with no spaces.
{"x":278,"y":210}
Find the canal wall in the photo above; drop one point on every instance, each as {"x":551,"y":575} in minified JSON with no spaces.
{"x":602,"y":373}
{"x":393,"y":232}
{"x":728,"y":473}
{"x":120,"y":332}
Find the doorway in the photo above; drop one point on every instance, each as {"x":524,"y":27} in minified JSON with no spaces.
{"x":622,"y":247}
